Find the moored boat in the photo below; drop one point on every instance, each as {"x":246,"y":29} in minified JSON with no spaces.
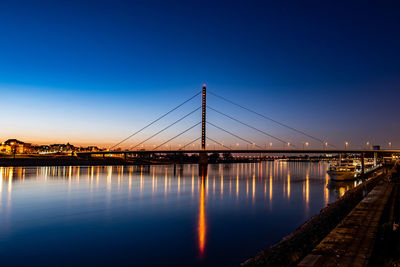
{"x":344,"y":170}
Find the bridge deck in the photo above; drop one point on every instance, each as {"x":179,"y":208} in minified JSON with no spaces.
{"x":244,"y":151}
{"x":352,"y":241}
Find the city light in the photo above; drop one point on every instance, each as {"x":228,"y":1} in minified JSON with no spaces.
{"x":135,"y":133}
{"x":306,"y":144}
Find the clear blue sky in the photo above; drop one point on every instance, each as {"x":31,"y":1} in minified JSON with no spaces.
{"x":92,"y":72}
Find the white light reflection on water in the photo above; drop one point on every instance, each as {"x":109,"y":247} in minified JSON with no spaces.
{"x":182,"y":214}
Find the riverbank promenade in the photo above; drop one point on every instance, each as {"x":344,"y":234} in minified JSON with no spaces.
{"x":364,"y":232}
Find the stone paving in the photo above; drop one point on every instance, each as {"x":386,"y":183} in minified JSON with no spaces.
{"x":352,"y":241}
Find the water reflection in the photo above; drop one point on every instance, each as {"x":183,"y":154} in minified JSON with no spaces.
{"x":339,"y":188}
{"x":202,"y":219}
{"x":131,"y":201}
{"x":288,"y":184}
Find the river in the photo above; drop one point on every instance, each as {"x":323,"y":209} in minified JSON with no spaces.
{"x":155,"y":215}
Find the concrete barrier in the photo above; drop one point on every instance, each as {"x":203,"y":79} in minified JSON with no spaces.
{"x":292,"y":248}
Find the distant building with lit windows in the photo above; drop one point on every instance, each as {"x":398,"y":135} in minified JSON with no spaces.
{"x":62,"y":148}
{"x":15,"y":146}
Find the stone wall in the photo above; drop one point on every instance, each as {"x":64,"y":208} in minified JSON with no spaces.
{"x":298,"y":244}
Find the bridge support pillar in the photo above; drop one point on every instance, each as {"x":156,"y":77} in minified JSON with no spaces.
{"x":203,"y":119}
{"x":203,"y":158}
{"x":375,"y":158}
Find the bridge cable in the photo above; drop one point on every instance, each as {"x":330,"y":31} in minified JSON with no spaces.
{"x":169,"y":126}
{"x":252,"y":127}
{"x":218,"y":143}
{"x":268,"y":118}
{"x":188,"y":144}
{"x":159,"y":118}
{"x":188,"y":129}
{"x":222,"y":129}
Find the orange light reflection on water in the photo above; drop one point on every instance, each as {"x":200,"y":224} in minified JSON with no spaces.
{"x":237,"y":182}
{"x":326,"y":190}
{"x":1,"y":180}
{"x":288,"y":185}
{"x":202,"y":220}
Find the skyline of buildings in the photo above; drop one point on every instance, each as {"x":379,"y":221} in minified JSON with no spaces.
{"x":13,"y":145}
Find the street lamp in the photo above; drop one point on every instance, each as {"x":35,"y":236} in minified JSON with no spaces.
{"x":270,"y":144}
{"x":346,"y":144}
{"x":305,"y":143}
{"x":390,"y":145}
{"x":326,"y":144}
{"x":367,"y":145}
{"x":288,"y":144}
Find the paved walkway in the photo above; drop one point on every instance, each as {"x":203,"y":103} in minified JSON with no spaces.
{"x":352,"y":241}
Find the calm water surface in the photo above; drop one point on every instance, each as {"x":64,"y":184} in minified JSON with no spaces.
{"x":150,"y":215}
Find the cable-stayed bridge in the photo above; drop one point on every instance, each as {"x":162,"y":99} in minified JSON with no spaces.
{"x":252,"y":147}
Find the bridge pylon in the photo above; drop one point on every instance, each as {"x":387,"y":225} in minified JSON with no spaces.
{"x":203,"y":157}
{"x":203,"y":119}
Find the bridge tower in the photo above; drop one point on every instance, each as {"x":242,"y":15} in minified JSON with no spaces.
{"x":203,"y":157}
{"x":203,"y":119}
